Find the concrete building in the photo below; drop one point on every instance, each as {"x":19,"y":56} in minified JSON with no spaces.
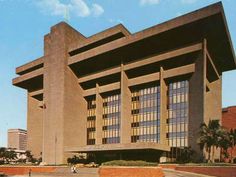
{"x":229,"y":123}
{"x":117,"y":94}
{"x":17,"y":139}
{"x":229,"y":117}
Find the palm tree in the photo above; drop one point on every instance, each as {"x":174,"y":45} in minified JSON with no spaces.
{"x":232,"y":137}
{"x":204,"y":140}
{"x":214,"y":127}
{"x":209,"y":138}
{"x":223,"y":142}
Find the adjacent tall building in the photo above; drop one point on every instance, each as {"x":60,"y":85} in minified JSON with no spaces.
{"x":116,"y":94}
{"x":17,"y":139}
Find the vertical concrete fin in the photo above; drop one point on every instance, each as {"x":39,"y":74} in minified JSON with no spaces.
{"x":125,"y":129}
{"x":204,"y":51}
{"x":99,"y":107}
{"x":34,"y":126}
{"x":163,"y":108}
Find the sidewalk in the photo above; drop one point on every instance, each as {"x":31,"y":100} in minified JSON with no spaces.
{"x":174,"y":173}
{"x":82,"y":172}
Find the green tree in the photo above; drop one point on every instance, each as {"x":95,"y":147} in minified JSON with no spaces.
{"x":10,"y":155}
{"x":186,"y":155}
{"x":232,"y":138}
{"x":205,"y":140}
{"x":223,"y":142}
{"x":2,"y":154}
{"x":209,"y":138}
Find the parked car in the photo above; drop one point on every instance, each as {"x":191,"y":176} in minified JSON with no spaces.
{"x":91,"y":165}
{"x":79,"y":165}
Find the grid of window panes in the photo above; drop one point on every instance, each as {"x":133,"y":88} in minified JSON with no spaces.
{"x":178,"y":93}
{"x":145,"y":123}
{"x":91,"y":121}
{"x":111,"y":119}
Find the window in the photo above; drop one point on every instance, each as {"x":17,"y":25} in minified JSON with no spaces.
{"x":111,"y":119}
{"x":91,"y":121}
{"x":178,"y":113}
{"x":145,"y":121}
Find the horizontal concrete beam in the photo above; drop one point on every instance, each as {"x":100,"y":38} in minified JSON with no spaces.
{"x":117,"y":147}
{"x":109,"y":87}
{"x":102,"y":89}
{"x":101,"y":36}
{"x":89,"y":92}
{"x":29,"y":65}
{"x":179,"y":71}
{"x":187,"y":69}
{"x":164,"y":56}
{"x":144,"y":79}
{"x":100,"y":74}
{"x":35,"y":93}
{"x":154,"y":59}
{"x":27,"y":76}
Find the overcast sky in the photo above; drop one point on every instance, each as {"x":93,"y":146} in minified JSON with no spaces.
{"x":23,"y":24}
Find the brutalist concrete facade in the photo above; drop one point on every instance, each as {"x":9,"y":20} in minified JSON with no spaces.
{"x":78,"y":74}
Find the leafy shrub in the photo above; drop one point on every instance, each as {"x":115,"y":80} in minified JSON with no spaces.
{"x":1,"y":162}
{"x":75,"y":160}
{"x":187,"y":156}
{"x":128,"y":163}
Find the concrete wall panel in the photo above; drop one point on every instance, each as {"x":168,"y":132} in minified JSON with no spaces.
{"x":34,"y":126}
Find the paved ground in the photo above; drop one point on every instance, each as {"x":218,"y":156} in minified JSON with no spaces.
{"x":82,"y":172}
{"x":93,"y":172}
{"x":173,"y":173}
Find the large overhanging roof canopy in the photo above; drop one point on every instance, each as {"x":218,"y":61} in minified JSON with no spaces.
{"x":208,"y":23}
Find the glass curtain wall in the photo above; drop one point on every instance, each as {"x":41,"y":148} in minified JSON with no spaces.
{"x":145,"y":123}
{"x":111,"y":119}
{"x":178,"y":93}
{"x":91,"y":121}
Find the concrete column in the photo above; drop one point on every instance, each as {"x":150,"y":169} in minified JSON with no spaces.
{"x":204,"y":55}
{"x":34,"y":126}
{"x":65,"y":108}
{"x":125,"y":130}
{"x":163,"y":108}
{"x":213,"y":100}
{"x":99,"y":108}
{"x":197,"y":92}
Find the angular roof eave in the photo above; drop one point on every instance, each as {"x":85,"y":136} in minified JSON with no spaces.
{"x":102,"y":35}
{"x":228,"y":33}
{"x":188,"y":18}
